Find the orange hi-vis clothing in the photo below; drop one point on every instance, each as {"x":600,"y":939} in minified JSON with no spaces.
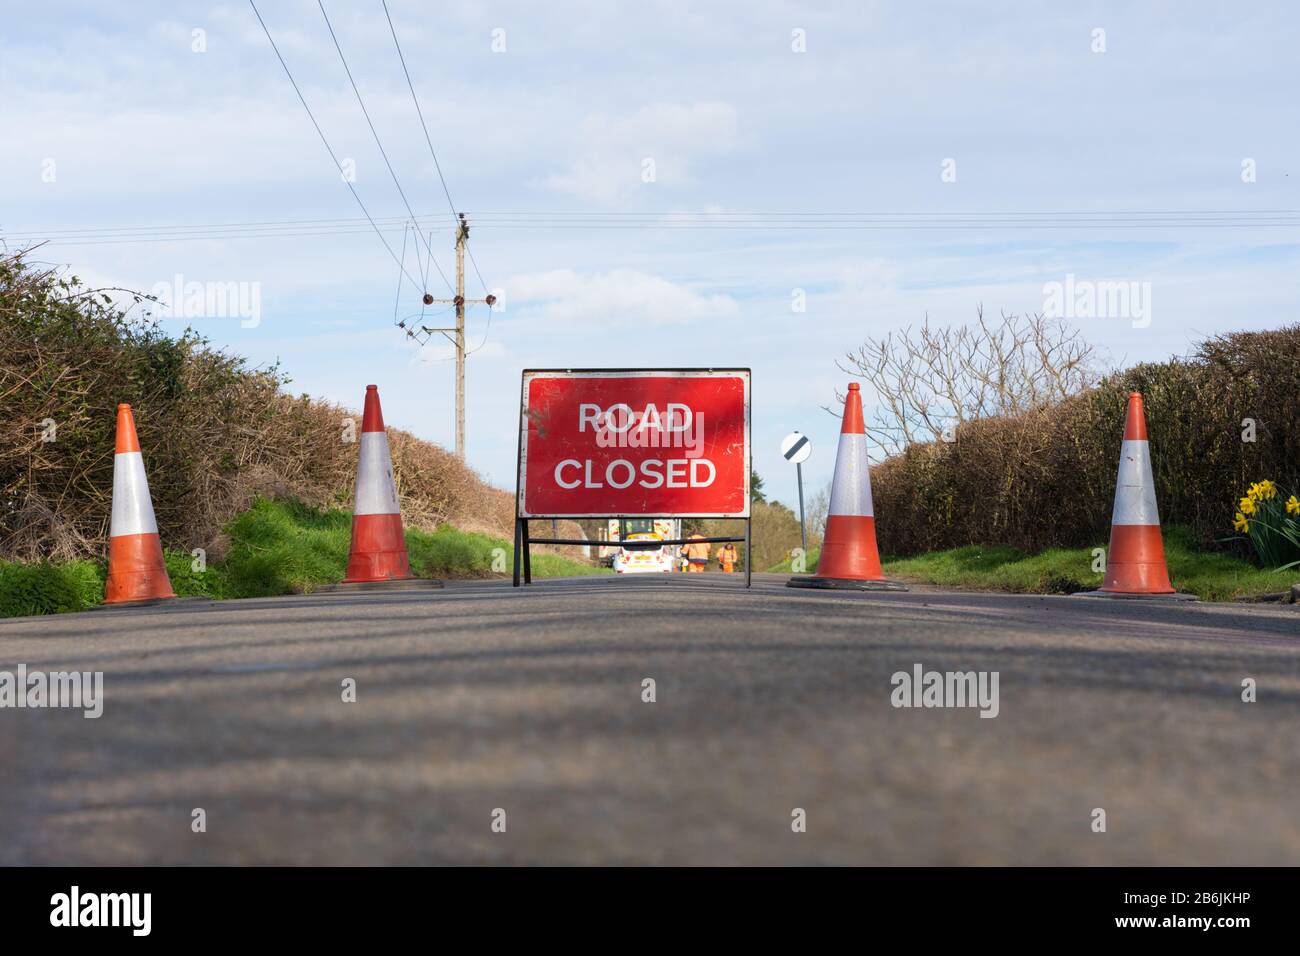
{"x":697,"y":554}
{"x":727,"y":558}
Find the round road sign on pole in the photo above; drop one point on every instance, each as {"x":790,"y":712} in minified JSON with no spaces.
{"x":796,"y":448}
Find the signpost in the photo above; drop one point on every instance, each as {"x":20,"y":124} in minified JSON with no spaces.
{"x":632,"y":443}
{"x":797,"y":448}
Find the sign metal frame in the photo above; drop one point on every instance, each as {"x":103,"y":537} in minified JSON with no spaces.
{"x":524,"y":540}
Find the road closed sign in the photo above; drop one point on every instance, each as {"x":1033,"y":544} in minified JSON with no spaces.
{"x":634,"y":443}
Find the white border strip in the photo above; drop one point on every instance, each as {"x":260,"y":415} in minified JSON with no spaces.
{"x":851,"y":486}
{"x":1135,"y":489}
{"x":376,"y":490}
{"x":132,"y":509}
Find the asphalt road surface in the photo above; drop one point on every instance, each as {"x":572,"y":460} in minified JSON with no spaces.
{"x":481,"y":698}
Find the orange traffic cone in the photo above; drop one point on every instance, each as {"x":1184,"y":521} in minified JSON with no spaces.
{"x":849,"y":558}
{"x":378,"y":551}
{"x":136,"y":571}
{"x":1135,"y":561}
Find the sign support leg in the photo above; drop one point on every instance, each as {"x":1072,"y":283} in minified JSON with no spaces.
{"x":518,"y":548}
{"x":749,"y":551}
{"x":528,"y":557}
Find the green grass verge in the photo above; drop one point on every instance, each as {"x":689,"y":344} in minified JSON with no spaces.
{"x":277,"y":547}
{"x":49,"y":588}
{"x":1211,"y":577}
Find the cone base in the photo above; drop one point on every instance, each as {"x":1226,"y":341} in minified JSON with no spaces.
{"x":844,"y":584}
{"x":1135,"y":563}
{"x":1172,"y":597}
{"x":148,"y":602}
{"x":393,"y":584}
{"x":378,"y":550}
{"x":151,"y":602}
{"x":136,"y":572}
{"x":849,"y":550}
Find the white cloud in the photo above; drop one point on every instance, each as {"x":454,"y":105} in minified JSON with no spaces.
{"x":621,"y":298}
{"x":673,"y":136}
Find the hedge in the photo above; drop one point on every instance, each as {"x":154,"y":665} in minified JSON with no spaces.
{"x":216,"y":433}
{"x":1047,"y":478}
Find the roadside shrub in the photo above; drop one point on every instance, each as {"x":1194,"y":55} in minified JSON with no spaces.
{"x":187,"y":582}
{"x":1047,"y":478}
{"x":47,"y":588}
{"x":451,"y":553}
{"x":284,"y":547}
{"x":216,"y":433}
{"x":276,"y":547}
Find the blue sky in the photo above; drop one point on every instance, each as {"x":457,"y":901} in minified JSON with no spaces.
{"x":144,"y":131}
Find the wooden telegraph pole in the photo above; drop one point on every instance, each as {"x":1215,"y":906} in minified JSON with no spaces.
{"x":462,"y":233}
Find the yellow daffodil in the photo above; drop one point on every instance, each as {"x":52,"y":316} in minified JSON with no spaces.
{"x":1240,"y":523}
{"x":1247,"y":506}
{"x":1292,"y":506}
{"x":1267,"y":490}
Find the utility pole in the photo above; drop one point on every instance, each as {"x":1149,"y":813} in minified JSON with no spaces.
{"x":462,"y":233}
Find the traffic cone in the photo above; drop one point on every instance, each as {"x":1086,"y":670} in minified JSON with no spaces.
{"x":1135,"y":561}
{"x":378,"y":551}
{"x":849,"y":559}
{"x":136,"y":571}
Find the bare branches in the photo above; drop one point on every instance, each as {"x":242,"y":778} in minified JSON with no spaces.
{"x":930,"y":381}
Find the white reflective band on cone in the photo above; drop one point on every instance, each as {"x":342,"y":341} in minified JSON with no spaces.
{"x":132,"y":509}
{"x":1135,"y":490}
{"x":851,"y":489}
{"x":376,"y":490}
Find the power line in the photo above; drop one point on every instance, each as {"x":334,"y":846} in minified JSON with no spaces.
{"x":399,"y":276}
{"x":757,"y":222}
{"x":204,"y":237}
{"x":411,"y":86}
{"x":227,"y":225}
{"x":463,"y":231}
{"x":432,"y":152}
{"x":804,"y":213}
{"x":375,"y":133}
{"x":302,"y":99}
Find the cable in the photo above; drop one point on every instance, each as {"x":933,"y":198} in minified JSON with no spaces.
{"x":373,"y":132}
{"x":1068,"y":212}
{"x":324,"y":141}
{"x":410,"y":85}
{"x":294,"y":228}
{"x":271,"y":223}
{"x":423,"y":307}
{"x":398,"y":301}
{"x":510,"y":217}
{"x":429,"y":140}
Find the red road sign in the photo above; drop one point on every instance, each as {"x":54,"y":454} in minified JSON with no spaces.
{"x":617,"y":443}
